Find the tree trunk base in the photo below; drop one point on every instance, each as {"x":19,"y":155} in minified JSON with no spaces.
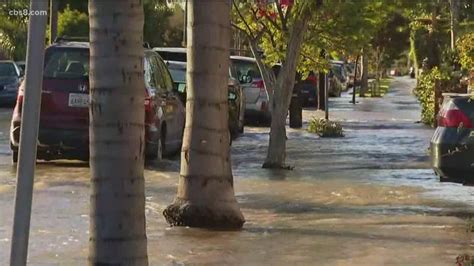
{"x":268,"y":165}
{"x":220,"y":215}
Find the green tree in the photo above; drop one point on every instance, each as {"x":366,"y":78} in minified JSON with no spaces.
{"x":293,"y":33}
{"x":73,"y":22}
{"x":13,"y":30}
{"x":390,"y":41}
{"x":157,"y":29}
{"x":117,"y":134}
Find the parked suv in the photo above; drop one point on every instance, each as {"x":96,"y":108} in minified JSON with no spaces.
{"x":10,"y":77}
{"x":452,"y":145}
{"x":235,"y":98}
{"x":64,"y":120}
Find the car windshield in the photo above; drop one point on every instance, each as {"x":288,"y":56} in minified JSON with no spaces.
{"x":7,"y":70}
{"x":67,"y":63}
{"x":179,"y":73}
{"x":247,"y":68}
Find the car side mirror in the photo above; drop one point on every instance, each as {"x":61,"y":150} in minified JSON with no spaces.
{"x":22,"y":73}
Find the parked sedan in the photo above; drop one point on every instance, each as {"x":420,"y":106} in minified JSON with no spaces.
{"x":256,"y":95}
{"x":236,"y":96}
{"x":10,"y":77}
{"x":64,"y":120}
{"x":339,"y":70}
{"x":452,"y":145}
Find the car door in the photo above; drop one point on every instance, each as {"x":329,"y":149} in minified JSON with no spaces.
{"x":153,"y":110}
{"x":172,"y":106}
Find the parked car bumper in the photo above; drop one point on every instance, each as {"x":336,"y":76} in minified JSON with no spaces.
{"x":68,"y":144}
{"x":8,"y":97}
{"x":452,"y":157}
{"x":257,"y":110}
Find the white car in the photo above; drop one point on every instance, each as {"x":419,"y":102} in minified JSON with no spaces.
{"x":256,"y":95}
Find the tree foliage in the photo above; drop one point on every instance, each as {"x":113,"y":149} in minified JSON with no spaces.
{"x":72,"y":22}
{"x":13,"y":30}
{"x":157,"y":30}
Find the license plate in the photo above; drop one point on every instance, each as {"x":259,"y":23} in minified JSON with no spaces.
{"x":78,"y":100}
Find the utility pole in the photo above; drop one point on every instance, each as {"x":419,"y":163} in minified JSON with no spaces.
{"x":326,"y":97}
{"x":321,"y":86}
{"x":53,"y":20}
{"x":454,"y":6}
{"x":355,"y":80}
{"x":29,"y":133}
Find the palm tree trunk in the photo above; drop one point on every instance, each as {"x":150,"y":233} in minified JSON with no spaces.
{"x":117,"y":216}
{"x":205,"y":195}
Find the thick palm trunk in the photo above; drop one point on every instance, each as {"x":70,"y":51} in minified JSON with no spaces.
{"x":117,"y":216}
{"x":205,"y":191}
{"x":281,"y":99}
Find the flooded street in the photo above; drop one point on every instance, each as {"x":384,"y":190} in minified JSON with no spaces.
{"x":369,"y":198}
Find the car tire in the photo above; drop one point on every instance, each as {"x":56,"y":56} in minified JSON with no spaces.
{"x":157,"y":151}
{"x":241,"y":127}
{"x":15,"y":157}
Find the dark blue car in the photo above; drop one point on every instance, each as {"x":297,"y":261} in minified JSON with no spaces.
{"x":452,"y":145}
{"x":10,"y":76}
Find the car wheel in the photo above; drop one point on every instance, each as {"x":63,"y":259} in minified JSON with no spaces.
{"x":159,"y":150}
{"x":15,"y":157}
{"x":241,"y":129}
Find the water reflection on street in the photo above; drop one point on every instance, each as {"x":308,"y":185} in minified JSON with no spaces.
{"x":367,"y":199}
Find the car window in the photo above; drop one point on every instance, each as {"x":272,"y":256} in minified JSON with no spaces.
{"x":166,"y":79}
{"x":173,"y":56}
{"x":177,"y":73}
{"x":156,"y":74}
{"x":7,"y":70}
{"x":148,"y":73}
{"x":247,"y":68}
{"x":67,"y":63}
{"x":233,"y":71}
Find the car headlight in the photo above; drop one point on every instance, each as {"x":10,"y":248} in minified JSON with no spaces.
{"x":11,"y":87}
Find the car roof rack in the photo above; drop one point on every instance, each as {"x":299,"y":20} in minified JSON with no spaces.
{"x":71,"y":39}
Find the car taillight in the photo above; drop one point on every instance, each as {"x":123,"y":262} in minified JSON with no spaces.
{"x":258,"y":84}
{"x":148,"y":106}
{"x":453,"y":117}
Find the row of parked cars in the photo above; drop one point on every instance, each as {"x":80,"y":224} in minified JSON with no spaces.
{"x":64,"y":119}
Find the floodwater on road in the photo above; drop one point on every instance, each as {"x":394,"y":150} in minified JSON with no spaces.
{"x":369,"y":198}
